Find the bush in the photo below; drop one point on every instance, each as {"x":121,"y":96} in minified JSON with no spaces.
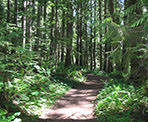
{"x":120,"y":102}
{"x":11,"y":117}
{"x":74,"y":73}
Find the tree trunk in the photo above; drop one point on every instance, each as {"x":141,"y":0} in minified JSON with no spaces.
{"x":63,"y":36}
{"x":8,"y":11}
{"x":38,"y":26}
{"x":56,"y":34}
{"x":24,"y":23}
{"x":111,"y":10}
{"x":15,"y":12}
{"x":80,"y":34}
{"x":91,"y":38}
{"x":105,"y":53}
{"x":86,"y":45}
{"x":51,"y":32}
{"x":100,"y":18}
{"x":94,"y":43}
{"x":69,"y":33}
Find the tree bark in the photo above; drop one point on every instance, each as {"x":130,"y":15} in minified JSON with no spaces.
{"x":69,"y":33}
{"x":105,"y":53}
{"x":91,"y":39}
{"x":51,"y":32}
{"x":63,"y":36}
{"x":81,"y":46}
{"x":78,"y":35}
{"x":111,"y":10}
{"x":100,"y":18}
{"x":15,"y":11}
{"x":8,"y":11}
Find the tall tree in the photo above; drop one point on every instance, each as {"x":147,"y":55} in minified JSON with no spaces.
{"x":39,"y":14}
{"x":8,"y":11}
{"x":111,"y":10}
{"x":78,"y":34}
{"x":15,"y":11}
{"x":24,"y":22}
{"x":106,"y":44}
{"x":69,"y":33}
{"x":100,"y":19}
{"x":52,"y":30}
{"x":63,"y":36}
{"x":91,"y":36}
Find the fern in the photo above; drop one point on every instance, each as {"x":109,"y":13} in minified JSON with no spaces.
{"x":143,"y":20}
{"x":132,"y":8}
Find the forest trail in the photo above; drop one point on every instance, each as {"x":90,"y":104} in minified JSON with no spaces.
{"x":76,"y":105}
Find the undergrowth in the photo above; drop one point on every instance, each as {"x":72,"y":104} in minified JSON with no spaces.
{"x":31,"y":85}
{"x":120,"y":101}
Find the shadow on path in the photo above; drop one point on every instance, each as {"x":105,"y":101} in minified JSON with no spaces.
{"x":76,"y":105}
{"x":66,"y":120}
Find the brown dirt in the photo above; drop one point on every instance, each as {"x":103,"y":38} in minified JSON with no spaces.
{"x":77,"y":105}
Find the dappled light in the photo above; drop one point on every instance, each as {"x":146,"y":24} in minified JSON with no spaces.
{"x":73,"y":61}
{"x":77,"y":103}
{"x":67,"y":120}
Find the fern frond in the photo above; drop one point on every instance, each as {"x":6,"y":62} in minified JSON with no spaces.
{"x":142,"y":20}
{"x":132,"y":8}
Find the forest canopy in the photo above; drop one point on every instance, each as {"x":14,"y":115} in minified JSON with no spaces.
{"x":49,"y":37}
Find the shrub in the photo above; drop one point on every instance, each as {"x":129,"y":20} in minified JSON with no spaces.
{"x":120,"y":102}
{"x":11,"y":117}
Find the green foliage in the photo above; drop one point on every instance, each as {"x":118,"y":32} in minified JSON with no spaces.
{"x":73,"y":72}
{"x":34,"y":92}
{"x":120,"y":102}
{"x":33,"y":84}
{"x":32,"y":75}
{"x":30,"y":82}
{"x":4,"y":117}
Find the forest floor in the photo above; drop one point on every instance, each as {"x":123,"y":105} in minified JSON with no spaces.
{"x":77,"y":105}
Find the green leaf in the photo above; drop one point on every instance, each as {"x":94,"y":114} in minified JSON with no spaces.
{"x":36,"y":93}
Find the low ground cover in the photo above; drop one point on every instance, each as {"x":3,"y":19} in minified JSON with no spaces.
{"x":120,"y":101}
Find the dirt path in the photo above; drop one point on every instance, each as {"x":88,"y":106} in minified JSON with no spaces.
{"x":76,"y":105}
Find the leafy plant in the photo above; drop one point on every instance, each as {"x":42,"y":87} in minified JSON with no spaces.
{"x":4,"y":117}
{"x":119,"y":102}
